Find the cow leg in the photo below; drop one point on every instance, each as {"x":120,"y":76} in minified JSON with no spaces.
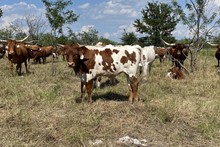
{"x":18,"y":69}
{"x":89,"y":87}
{"x":11,"y":67}
{"x":97,"y":81}
{"x":44,"y":60}
{"x":26,"y":67}
{"x":130,"y":93}
{"x":82,"y":91}
{"x":218,"y":63}
{"x":145,"y":71}
{"x":134,"y":87}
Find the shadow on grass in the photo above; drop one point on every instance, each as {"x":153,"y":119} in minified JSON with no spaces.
{"x":109,"y":82}
{"x":109,"y":96}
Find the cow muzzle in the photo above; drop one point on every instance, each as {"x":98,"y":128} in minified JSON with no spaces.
{"x":11,"y":52}
{"x":71,"y":64}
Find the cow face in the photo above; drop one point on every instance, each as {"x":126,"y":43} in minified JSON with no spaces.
{"x":11,"y":46}
{"x":72,"y":54}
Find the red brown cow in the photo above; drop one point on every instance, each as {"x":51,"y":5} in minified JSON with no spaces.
{"x":217,"y":52}
{"x":175,"y":73}
{"x":17,"y":54}
{"x":161,"y":53}
{"x":178,"y":53}
{"x":36,"y":53}
{"x":92,"y":62}
{"x":40,"y":52}
{"x":49,"y":50}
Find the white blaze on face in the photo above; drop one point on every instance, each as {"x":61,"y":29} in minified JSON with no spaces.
{"x":81,"y":57}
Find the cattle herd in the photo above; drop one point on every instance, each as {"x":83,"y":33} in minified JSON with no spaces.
{"x":92,"y":62}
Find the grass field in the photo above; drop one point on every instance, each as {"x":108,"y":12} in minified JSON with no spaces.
{"x":44,"y":110}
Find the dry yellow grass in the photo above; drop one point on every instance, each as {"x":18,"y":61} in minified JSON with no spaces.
{"x":43,"y":110}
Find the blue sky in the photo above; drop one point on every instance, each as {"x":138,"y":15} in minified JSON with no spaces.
{"x":108,"y":17}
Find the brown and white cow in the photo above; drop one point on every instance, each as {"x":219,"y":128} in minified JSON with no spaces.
{"x":178,"y":53}
{"x":90,"y":62}
{"x":217,"y":52}
{"x":17,"y":54}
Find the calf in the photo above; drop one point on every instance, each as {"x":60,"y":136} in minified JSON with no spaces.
{"x":175,"y":73}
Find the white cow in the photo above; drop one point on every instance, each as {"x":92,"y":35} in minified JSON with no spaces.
{"x":147,"y":58}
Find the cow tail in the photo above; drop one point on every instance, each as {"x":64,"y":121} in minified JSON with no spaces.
{"x":142,"y":65}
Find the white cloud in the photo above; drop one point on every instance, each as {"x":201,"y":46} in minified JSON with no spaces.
{"x":107,"y":35}
{"x":217,"y":2}
{"x":86,"y":28}
{"x":84,"y":6}
{"x":181,"y":32}
{"x":18,"y":11}
{"x":118,"y":8}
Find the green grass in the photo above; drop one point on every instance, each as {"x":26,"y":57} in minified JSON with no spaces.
{"x":44,"y":110}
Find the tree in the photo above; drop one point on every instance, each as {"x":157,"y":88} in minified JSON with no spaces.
{"x":89,"y":37}
{"x":128,"y":38}
{"x":157,"y":20}
{"x":201,"y":19}
{"x":58,"y":15}
{"x":6,"y":33}
{"x":36,"y":25}
{"x":107,"y":41}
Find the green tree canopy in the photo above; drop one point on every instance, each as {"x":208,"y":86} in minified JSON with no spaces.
{"x":58,"y":14}
{"x":157,"y":20}
{"x":128,"y":38}
{"x":89,"y":37}
{"x":201,"y":17}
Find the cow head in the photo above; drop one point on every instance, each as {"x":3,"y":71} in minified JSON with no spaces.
{"x":11,"y":46}
{"x":71,"y":53}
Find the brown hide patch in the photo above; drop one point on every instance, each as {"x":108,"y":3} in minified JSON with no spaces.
{"x":107,"y":60}
{"x":89,"y":57}
{"x":131,"y":57}
{"x":115,"y":51}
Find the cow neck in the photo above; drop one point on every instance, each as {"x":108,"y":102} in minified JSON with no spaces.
{"x":80,"y":67}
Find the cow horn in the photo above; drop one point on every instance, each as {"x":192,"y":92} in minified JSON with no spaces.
{"x":3,"y":40}
{"x":22,"y":39}
{"x":31,"y":41}
{"x":61,"y":45}
{"x":212,"y":44}
{"x":169,"y":44}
